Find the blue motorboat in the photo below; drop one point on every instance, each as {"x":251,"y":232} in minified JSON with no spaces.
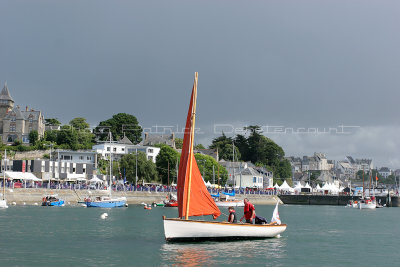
{"x":105,"y":202}
{"x":52,"y":200}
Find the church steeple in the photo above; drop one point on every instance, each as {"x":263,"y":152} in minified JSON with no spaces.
{"x":6,"y":101}
{"x":5,"y":94}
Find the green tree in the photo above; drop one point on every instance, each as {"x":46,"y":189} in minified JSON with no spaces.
{"x":243,"y":146}
{"x":120,"y":124}
{"x":264,"y":150}
{"x":50,"y":135}
{"x":199,"y":146}
{"x":33,"y":137}
{"x":314,"y":175}
{"x":361,"y":173}
{"x":284,"y":169}
{"x":146,"y":169}
{"x":79,"y":123}
{"x":52,"y":122}
{"x":178,"y":143}
{"x":167,"y":155}
{"x":388,"y":180}
{"x":205,"y":164}
{"x":102,"y":165}
{"x":69,"y":138}
{"x":224,"y":146}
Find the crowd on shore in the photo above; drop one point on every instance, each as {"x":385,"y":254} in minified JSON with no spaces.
{"x":127,"y":187}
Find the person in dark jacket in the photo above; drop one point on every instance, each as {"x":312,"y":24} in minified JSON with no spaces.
{"x":232,"y":215}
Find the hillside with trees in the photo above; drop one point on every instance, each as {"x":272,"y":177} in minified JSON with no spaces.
{"x":255,"y":148}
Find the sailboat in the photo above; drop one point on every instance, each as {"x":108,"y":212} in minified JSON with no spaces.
{"x":195,"y":200}
{"x":367,"y":202}
{"x":3,"y":201}
{"x":228,"y":199}
{"x":106,"y":201}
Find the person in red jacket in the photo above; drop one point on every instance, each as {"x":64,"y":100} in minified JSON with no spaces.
{"x":249,"y":212}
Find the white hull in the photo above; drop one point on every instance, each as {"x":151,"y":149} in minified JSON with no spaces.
{"x":366,"y":206}
{"x":238,"y":203}
{"x":178,"y":229}
{"x":3,"y":204}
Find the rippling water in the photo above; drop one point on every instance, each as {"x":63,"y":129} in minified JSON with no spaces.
{"x":316,"y":236}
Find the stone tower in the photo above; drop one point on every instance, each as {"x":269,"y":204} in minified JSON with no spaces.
{"x":6,"y":104}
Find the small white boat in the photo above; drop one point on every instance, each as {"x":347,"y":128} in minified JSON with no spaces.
{"x":367,"y":203}
{"x":230,"y":203}
{"x":228,"y":200}
{"x":180,"y":230}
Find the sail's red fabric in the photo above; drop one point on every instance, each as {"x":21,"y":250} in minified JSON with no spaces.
{"x":201,"y":202}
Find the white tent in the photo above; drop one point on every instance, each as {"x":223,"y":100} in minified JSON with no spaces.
{"x":326,"y":186}
{"x":95,"y":180}
{"x":28,"y":176}
{"x":298,"y":186}
{"x":308,"y":186}
{"x":285,"y":187}
{"x":276,"y":186}
{"x":333,"y":188}
{"x":208,"y":184}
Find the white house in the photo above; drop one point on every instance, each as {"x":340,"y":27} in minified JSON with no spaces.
{"x":120,"y":149}
{"x":385,"y":172}
{"x":249,"y":177}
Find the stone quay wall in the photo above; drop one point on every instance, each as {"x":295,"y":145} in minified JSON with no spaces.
{"x":33,"y":196}
{"x":331,"y":200}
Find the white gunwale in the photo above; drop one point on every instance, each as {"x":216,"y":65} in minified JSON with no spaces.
{"x":226,"y":223}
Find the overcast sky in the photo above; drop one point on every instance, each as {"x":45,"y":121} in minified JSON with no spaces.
{"x":302,"y":65}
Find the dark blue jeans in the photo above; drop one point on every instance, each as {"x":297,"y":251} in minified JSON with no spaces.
{"x":252,"y":221}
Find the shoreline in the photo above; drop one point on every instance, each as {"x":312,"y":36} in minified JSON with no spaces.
{"x":33,"y":196}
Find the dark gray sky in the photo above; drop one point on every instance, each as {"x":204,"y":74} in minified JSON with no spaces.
{"x":296,"y":64}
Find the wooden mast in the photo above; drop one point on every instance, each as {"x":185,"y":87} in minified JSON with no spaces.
{"x":191,"y":144}
{"x":370,"y":181}
{"x":363,"y":194}
{"x":4,"y":174}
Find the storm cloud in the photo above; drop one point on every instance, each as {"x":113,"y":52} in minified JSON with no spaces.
{"x":295,"y":64}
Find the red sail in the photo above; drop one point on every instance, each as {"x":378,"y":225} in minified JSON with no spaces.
{"x":200,"y":202}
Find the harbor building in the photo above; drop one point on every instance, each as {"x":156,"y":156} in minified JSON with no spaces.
{"x":63,"y":165}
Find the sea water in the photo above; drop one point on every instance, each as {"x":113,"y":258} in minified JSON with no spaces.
{"x":133,"y":236}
